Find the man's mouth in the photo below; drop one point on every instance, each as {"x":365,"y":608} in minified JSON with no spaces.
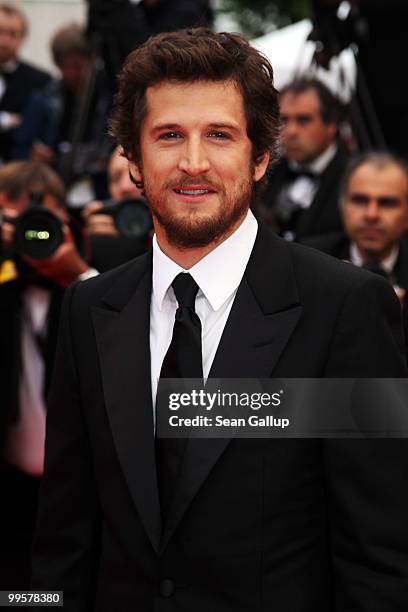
{"x":193,"y":191}
{"x":371,"y":230}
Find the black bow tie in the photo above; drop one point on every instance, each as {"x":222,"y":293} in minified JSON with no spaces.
{"x":294,"y":173}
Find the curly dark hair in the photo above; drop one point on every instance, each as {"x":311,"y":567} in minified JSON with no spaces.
{"x":192,"y":55}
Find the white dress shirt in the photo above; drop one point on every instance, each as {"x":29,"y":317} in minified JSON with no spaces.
{"x":387,"y":264}
{"x":303,"y":189}
{"x":25,"y":439}
{"x":217,"y":275}
{"x":6,"y":117}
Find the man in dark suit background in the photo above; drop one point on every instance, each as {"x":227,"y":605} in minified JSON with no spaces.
{"x":18,"y":79}
{"x":301,"y":199}
{"x":300,"y":525}
{"x":373,"y":202}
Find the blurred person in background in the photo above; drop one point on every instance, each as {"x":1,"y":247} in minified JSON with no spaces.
{"x":120,"y":27}
{"x":168,"y":15}
{"x":31,"y":292}
{"x":374,"y":210}
{"x":378,"y":28}
{"x":302,"y":195}
{"x":18,"y":79}
{"x":50,"y":122}
{"x":109,"y":248}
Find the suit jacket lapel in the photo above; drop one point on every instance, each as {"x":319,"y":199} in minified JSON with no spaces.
{"x":401,"y":267}
{"x":122,"y":334}
{"x":265,"y":313}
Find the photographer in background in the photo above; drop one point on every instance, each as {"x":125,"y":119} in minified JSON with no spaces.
{"x":109,"y":248}
{"x":31,"y":291}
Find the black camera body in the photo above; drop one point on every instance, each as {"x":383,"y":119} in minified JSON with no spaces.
{"x":132,"y":217}
{"x":38,"y":233}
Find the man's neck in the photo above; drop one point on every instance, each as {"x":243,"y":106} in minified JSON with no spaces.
{"x":186,"y":258}
{"x":319,"y":163}
{"x":10,"y":65}
{"x":386,"y":259}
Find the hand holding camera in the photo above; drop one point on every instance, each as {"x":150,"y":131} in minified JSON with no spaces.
{"x":64,"y":265}
{"x":96,"y":222}
{"x":128,"y":217}
{"x":43,"y":241}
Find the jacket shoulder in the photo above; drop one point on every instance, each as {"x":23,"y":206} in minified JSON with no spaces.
{"x":35,"y":76}
{"x":122,"y":280}
{"x":314,"y":268}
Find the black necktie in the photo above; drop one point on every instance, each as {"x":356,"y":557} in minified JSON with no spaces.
{"x":184,"y":356}
{"x":182,"y":360}
{"x":377,"y":268}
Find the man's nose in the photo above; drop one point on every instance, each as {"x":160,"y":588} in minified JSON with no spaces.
{"x":289,"y":129}
{"x":372,"y":210}
{"x":194,"y":157}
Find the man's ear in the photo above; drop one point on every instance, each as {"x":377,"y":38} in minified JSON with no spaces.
{"x":261,"y":165}
{"x":135,"y":175}
{"x":332,"y":129}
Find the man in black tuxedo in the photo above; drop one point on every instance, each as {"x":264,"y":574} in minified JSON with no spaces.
{"x":301,"y":199}
{"x":17,"y":79}
{"x":374,"y":207}
{"x":129,"y":522}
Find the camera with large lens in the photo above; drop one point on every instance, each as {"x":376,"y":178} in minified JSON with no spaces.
{"x":132,"y":217}
{"x":38,"y":233}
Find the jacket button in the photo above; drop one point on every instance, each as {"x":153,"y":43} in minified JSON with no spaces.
{"x":167,"y":588}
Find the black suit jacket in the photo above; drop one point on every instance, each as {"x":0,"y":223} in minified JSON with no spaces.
{"x":299,"y":524}
{"x":19,"y":86}
{"x":338,"y":245}
{"x":323,"y":215}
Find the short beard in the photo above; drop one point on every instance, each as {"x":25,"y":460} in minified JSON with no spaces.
{"x":194,"y":231}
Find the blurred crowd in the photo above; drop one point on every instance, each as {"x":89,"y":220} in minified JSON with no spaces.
{"x":69,"y":210}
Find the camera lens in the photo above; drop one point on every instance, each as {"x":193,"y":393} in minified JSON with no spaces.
{"x":133,"y":219}
{"x":38,"y":234}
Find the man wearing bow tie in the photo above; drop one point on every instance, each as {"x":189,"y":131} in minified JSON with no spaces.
{"x":17,"y":79}
{"x":301,"y":199}
{"x":130,"y":520}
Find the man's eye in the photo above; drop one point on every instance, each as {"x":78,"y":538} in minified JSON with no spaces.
{"x":219,"y":135}
{"x":359,"y":199}
{"x":388,"y":202}
{"x":170,"y":136}
{"x":304,"y":119}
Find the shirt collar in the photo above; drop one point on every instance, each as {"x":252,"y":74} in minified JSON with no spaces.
{"x":9,"y":67}
{"x":387,"y":264}
{"x":318,"y":165}
{"x":231,"y":256}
